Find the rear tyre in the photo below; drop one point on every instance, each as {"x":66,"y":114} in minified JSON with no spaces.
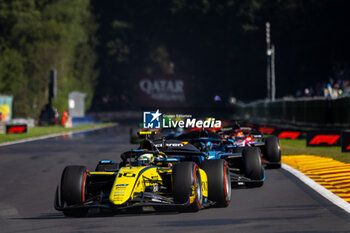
{"x":219,"y":181}
{"x":112,"y":167}
{"x":252,"y":166}
{"x":272,"y":150}
{"x":185,"y":177}
{"x":73,"y":189}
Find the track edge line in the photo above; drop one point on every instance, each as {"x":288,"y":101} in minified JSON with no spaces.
{"x":51,"y":136}
{"x":338,"y":201}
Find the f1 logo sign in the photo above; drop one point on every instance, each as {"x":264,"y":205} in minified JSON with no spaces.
{"x":16,"y":129}
{"x":324,"y":139}
{"x":345,"y":141}
{"x":289,"y":134}
{"x":267,"y":130}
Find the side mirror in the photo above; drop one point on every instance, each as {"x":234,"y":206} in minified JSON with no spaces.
{"x":209,"y":145}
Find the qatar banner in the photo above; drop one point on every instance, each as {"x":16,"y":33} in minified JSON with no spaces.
{"x":323,"y":138}
{"x":160,"y":91}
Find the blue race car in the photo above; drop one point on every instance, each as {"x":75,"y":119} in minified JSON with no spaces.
{"x":245,"y":166}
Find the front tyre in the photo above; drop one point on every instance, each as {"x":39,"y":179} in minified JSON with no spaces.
{"x":73,"y":189}
{"x":252,"y":166}
{"x":219,"y":181}
{"x":186,"y":184}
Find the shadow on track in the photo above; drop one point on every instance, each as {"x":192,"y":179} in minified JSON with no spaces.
{"x":128,"y":213}
{"x":217,"y":222}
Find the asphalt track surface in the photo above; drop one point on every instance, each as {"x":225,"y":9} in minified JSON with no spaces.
{"x":29,"y":173}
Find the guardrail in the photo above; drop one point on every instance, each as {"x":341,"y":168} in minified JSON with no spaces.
{"x":313,"y":112}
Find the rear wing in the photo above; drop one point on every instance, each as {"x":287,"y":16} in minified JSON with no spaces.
{"x":254,"y":133}
{"x":163,"y":147}
{"x":175,"y":147}
{"x":226,"y":129}
{"x":147,"y":134}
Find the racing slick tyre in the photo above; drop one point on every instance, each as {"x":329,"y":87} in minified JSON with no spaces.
{"x":187,"y":183}
{"x":73,"y":189}
{"x":252,"y":166}
{"x":219,"y":181}
{"x":273,"y":151}
{"x":112,"y":167}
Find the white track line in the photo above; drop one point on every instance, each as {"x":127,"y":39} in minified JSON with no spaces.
{"x":50,"y":136}
{"x":338,"y":201}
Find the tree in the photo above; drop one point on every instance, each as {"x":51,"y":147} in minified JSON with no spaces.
{"x":40,"y":35}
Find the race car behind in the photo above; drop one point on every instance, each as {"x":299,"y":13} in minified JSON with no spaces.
{"x":245,"y":167}
{"x":247,"y":137}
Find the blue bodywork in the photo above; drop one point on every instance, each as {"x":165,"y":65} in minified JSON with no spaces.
{"x":213,"y":147}
{"x":217,"y":149}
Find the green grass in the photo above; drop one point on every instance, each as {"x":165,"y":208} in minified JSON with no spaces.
{"x":298,"y":147}
{"x":46,"y":130}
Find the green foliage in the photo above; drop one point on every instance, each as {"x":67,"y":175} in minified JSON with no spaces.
{"x":203,"y":40}
{"x":38,"y":35}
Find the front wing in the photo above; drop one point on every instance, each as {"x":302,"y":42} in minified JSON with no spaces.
{"x":142,"y":199}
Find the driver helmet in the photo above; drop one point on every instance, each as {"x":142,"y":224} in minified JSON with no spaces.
{"x":145,"y":159}
{"x":240,"y":134}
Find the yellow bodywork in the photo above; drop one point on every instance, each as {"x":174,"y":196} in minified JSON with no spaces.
{"x":102,"y":173}
{"x":204,"y":179}
{"x":131,"y":180}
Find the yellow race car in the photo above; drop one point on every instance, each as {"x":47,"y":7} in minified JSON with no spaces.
{"x":145,"y":177}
